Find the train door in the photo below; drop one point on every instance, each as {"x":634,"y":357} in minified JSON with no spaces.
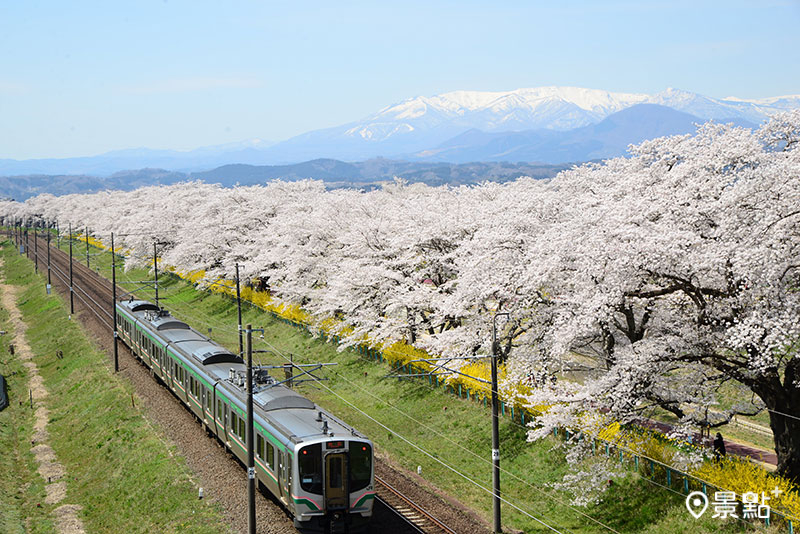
{"x":335,"y":481}
{"x":281,"y":475}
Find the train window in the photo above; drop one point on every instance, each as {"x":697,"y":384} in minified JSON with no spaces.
{"x":242,"y":431}
{"x":309,"y":463}
{"x":270,"y":457}
{"x":335,"y":471}
{"x":219,"y":409}
{"x":265,"y":451}
{"x":209,"y":407}
{"x":360,"y":465}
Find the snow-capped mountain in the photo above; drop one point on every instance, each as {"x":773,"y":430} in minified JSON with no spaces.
{"x":552,"y":108}
{"x":421,"y":123}
{"x":545,"y":124}
{"x":559,"y":108}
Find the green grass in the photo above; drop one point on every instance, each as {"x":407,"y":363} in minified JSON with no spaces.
{"x":122,"y":471}
{"x":434,"y":421}
{"x":22,"y":494}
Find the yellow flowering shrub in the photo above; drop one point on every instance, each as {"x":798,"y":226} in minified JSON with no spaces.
{"x":610,"y":432}
{"x":740,"y":475}
{"x":402,"y":353}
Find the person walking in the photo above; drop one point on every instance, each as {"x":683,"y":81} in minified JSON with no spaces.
{"x":719,"y":447}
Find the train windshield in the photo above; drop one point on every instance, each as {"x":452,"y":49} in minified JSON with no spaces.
{"x":360,"y":465}
{"x":309,"y":463}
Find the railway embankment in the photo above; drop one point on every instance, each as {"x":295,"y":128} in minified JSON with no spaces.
{"x":78,"y":453}
{"x":415,"y":426}
{"x":423,"y":430}
{"x":50,"y":469}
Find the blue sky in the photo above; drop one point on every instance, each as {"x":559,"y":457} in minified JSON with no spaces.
{"x":82,"y":78}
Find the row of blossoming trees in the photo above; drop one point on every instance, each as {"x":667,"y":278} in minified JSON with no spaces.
{"x":650,"y":280}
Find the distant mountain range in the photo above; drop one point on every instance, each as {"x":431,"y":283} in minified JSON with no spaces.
{"x":365,"y":174}
{"x":546,"y":124}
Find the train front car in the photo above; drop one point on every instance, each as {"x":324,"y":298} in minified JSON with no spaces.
{"x":335,"y":487}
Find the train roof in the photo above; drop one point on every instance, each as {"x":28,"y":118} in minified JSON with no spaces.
{"x":138,"y":305}
{"x":284,"y":406}
{"x":298,"y":417}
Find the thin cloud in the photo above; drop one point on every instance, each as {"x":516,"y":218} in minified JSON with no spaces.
{"x":185,"y":85}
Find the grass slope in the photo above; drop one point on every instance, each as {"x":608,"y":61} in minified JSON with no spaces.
{"x":121,"y":470}
{"x":22,"y":492}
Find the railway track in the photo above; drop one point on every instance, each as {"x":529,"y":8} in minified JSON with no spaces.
{"x":422,"y":520}
{"x":92,"y":294}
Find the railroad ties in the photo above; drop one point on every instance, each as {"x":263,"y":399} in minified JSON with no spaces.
{"x":412,"y":512}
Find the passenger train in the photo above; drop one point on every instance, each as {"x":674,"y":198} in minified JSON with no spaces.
{"x":319,"y":467}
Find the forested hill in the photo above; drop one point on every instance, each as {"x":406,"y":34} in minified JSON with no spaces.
{"x":333,"y":172}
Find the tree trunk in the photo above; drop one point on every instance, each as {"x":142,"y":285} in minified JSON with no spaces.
{"x":783,"y":403}
{"x":786,"y":435}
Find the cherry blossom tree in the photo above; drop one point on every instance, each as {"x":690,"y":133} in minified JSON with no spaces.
{"x":656,"y":280}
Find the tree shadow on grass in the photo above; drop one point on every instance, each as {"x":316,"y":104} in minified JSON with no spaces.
{"x":632,"y":504}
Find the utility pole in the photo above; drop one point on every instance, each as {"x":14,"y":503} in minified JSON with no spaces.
{"x":495,"y":428}
{"x":251,"y":470}
{"x":71,"y":296}
{"x":49,"y":282}
{"x":239,"y":308}
{"x":35,"y":251}
{"x":87,"y":246}
{"x":155,"y":268}
{"x":114,"y":302}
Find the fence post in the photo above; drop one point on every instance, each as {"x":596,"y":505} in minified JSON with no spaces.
{"x":791,"y":527}
{"x":636,"y":463}
{"x":685,"y":484}
{"x":669,"y":477}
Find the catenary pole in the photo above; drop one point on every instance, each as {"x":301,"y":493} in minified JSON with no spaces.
{"x":114,"y":302}
{"x":495,"y":428}
{"x":251,"y":470}
{"x":49,"y":281}
{"x":35,"y":250}
{"x":71,"y":296}
{"x":155,"y":269}
{"x":239,"y":308}
{"x":87,"y":245}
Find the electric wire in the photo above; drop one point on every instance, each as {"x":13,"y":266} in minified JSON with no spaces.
{"x":421,"y":449}
{"x":277,"y":351}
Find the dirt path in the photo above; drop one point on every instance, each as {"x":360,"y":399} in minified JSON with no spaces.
{"x":66,"y":515}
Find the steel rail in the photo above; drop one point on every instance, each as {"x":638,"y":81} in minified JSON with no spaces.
{"x":62,"y":276}
{"x":417,"y":508}
{"x":410,"y":524}
{"x":99,"y":281}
